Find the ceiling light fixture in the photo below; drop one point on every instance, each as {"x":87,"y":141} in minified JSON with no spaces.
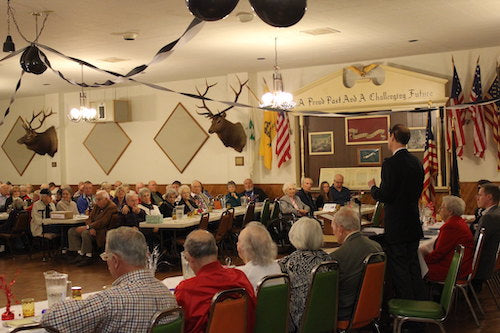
{"x":8,"y":45}
{"x":83,"y":112}
{"x":277,"y":98}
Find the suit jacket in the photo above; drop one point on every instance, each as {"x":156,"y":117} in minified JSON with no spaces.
{"x":490,"y":221}
{"x":287,"y":207}
{"x":257,"y":194}
{"x":350,"y":256}
{"x":400,"y":190}
{"x":307,"y":198}
{"x":99,"y":220}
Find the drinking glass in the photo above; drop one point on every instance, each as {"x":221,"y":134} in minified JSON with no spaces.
{"x":57,"y":286}
{"x":244,"y":201}
{"x":28,"y":306}
{"x":187,"y":272}
{"x":179,"y":212}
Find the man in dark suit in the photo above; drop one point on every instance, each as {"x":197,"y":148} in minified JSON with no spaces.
{"x":479,"y":211}
{"x":350,"y":255}
{"x":305,"y":194}
{"x":400,"y":190}
{"x":253,"y":193}
{"x":487,"y":198}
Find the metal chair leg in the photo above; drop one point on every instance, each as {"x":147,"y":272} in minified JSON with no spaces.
{"x":400,"y":325}
{"x":376,"y":326}
{"x":464,"y":292}
{"x":488,"y":283}
{"x":395,"y":325}
{"x":441,"y":327}
{"x":476,"y":298}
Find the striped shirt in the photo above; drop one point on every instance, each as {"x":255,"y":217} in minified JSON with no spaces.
{"x":128,"y":306}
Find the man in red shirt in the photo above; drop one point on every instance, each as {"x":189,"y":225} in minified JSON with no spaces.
{"x":195,"y":294}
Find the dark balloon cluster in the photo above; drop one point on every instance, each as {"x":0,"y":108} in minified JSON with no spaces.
{"x":278,"y":13}
{"x":31,"y":62}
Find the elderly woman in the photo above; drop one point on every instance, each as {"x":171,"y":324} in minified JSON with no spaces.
{"x":453,"y":232}
{"x":119,"y":198}
{"x":290,"y":203}
{"x":307,"y":237}
{"x":66,"y":204}
{"x":146,"y":204}
{"x":167,"y":207}
{"x":14,"y":193}
{"x":258,"y":251}
{"x":232,"y":198}
{"x":186,"y":199}
{"x":17,"y":207}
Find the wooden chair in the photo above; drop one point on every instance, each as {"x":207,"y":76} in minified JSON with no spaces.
{"x":174,"y":326}
{"x":265,"y":215}
{"x":273,"y":301}
{"x":376,"y":219}
{"x":20,"y":230}
{"x":222,"y":235}
{"x":204,"y":219}
{"x":248,"y":217}
{"x":228,"y":312}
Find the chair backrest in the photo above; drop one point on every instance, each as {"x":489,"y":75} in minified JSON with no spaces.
{"x":174,"y":326}
{"x":377,"y":214}
{"x":451,"y":278}
{"x":276,"y":210}
{"x":249,"y":213}
{"x":22,"y":223}
{"x":265,"y":215}
{"x":204,"y":218}
{"x":477,"y":254}
{"x":116,"y":221}
{"x":320,"y":313}
{"x":228,"y":312}
{"x":273,"y":299}
{"x":369,"y":299}
{"x":225,"y":224}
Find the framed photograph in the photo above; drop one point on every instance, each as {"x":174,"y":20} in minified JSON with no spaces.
{"x":366,"y":130}
{"x":239,"y":160}
{"x":417,"y":139}
{"x":321,"y":143}
{"x":370,"y":156}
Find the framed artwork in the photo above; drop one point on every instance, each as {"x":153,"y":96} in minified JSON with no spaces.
{"x":321,"y":143}
{"x":366,"y":130}
{"x":239,"y":160}
{"x":417,"y":139}
{"x":369,"y":156}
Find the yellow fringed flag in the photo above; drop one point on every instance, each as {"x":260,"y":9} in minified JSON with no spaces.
{"x":266,"y":138}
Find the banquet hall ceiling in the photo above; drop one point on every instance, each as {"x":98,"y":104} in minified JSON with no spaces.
{"x":91,"y":30}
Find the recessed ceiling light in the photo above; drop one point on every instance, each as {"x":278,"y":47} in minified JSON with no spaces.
{"x":321,"y":31}
{"x":261,"y":58}
{"x":413,"y":40}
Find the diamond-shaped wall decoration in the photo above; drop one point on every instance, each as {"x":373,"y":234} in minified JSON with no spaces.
{"x":106,"y":142}
{"x":181,"y":137}
{"x":18,"y":154}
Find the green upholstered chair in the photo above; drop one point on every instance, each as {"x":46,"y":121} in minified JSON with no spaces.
{"x":273,"y":299}
{"x":427,"y":311}
{"x":276,"y":210}
{"x":174,"y":326}
{"x":320,"y":313}
{"x":376,"y":217}
{"x":265,"y":215}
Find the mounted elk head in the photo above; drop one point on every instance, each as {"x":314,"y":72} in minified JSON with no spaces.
{"x":231,"y":135}
{"x":41,"y":143}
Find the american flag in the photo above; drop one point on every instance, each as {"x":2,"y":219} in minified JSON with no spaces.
{"x":478,"y":115}
{"x":455,"y":117}
{"x":492,"y":116}
{"x":430,"y":162}
{"x":283,"y":138}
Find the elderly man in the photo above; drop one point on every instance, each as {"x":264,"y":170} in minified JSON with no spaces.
{"x":132,"y":213}
{"x":4,"y":194}
{"x":41,"y":210}
{"x":156,"y":197}
{"x":86,"y":199}
{"x":487,"y":198}
{"x":138,"y":186}
{"x":95,"y":228}
{"x":126,"y":307}
{"x":253,"y":193}
{"x":350,"y":255}
{"x":195,"y":294}
{"x":339,"y":194}
{"x":305,"y":194}
{"x":201,"y":198}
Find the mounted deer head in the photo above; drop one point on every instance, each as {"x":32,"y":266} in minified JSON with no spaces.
{"x":41,"y":143}
{"x":231,"y":135}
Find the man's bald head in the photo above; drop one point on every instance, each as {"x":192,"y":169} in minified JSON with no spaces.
{"x":338,"y":181}
{"x":201,"y":244}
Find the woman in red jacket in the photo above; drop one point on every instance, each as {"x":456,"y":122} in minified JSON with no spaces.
{"x":453,"y":232}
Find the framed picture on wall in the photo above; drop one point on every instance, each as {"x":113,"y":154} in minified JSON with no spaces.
{"x":369,"y":156}
{"x":366,"y":130}
{"x":321,"y":143}
{"x":417,"y":139}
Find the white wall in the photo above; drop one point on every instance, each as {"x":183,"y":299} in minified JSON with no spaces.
{"x":214,"y":163}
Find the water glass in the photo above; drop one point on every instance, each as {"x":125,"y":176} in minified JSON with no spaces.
{"x":244,"y":201}
{"x":28,"y":306}
{"x":179,"y":212}
{"x":187,"y":272}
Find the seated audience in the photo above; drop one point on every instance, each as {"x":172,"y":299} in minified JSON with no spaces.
{"x":79,"y":192}
{"x":487,"y":198}
{"x":479,"y":211}
{"x":350,"y":256}
{"x":119,"y":198}
{"x":290,"y":203}
{"x":453,"y":232}
{"x":176,"y":184}
{"x":156,"y":196}
{"x":146,"y":205}
{"x":58,"y":196}
{"x":254,"y":194}
{"x":324,"y":195}
{"x":35,"y":197}
{"x":195,"y":294}
{"x":138,"y":186}
{"x":307,"y":237}
{"x":107,"y":187}
{"x":66,"y":204}
{"x":167,"y":207}
{"x":23,"y":193}
{"x":41,"y":210}
{"x":29,"y":189}
{"x":233,"y":199}
{"x":186,"y":199}
{"x":53,"y":188}
{"x":17,"y":208}
{"x":132,"y":213}
{"x":339,"y":194}
{"x":114,"y":187}
{"x":13,"y":193}
{"x":81,"y":238}
{"x":129,"y":305}
{"x":85,"y":201}
{"x":305,"y":194}
{"x":258,"y":251}
{"x":4,"y":195}
{"x":200,"y":197}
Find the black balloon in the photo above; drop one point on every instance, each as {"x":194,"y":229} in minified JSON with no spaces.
{"x":31,"y":62}
{"x":211,"y":10}
{"x":280,"y":13}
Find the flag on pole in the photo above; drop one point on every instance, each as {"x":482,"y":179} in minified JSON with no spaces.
{"x":476,"y":95}
{"x":266,"y":138}
{"x":492,"y":117}
{"x":430,"y":163}
{"x":455,"y":117}
{"x":454,"y":176}
{"x":283,"y":138}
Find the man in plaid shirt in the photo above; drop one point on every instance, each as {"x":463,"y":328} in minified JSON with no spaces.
{"x":129,"y":305}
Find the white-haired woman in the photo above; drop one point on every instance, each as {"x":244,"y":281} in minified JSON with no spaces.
{"x":290,"y":203}
{"x":307,"y":237}
{"x":167,"y":207}
{"x":146,"y":205}
{"x":186,"y":199}
{"x":258,"y":251}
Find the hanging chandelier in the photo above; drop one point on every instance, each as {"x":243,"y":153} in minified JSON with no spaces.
{"x":277,"y":98}
{"x":83,"y":112}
